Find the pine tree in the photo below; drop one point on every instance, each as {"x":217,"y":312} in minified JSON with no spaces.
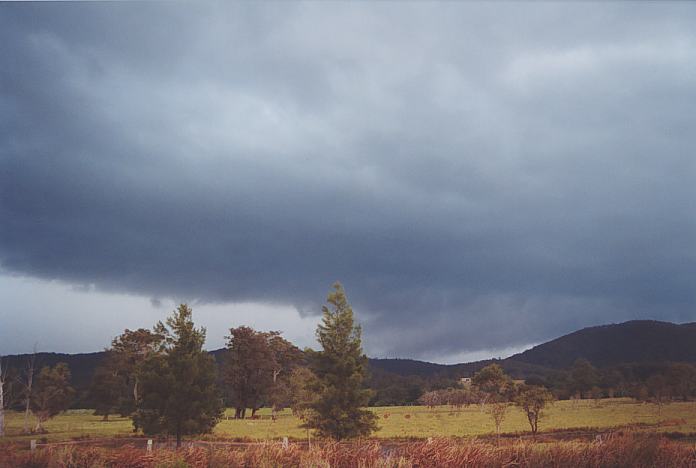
{"x":178,"y":392}
{"x":340,"y":369}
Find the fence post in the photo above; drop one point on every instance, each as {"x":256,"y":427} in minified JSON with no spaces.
{"x":32,"y":445}
{"x":285,"y":443}
{"x":149,"y":445}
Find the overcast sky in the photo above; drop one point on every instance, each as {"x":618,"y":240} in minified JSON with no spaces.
{"x":480,"y":177}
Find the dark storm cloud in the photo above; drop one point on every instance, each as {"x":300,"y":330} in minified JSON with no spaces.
{"x":477,"y":176}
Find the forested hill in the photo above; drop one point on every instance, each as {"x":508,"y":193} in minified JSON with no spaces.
{"x":607,"y":345}
{"x":81,"y":365}
{"x":638,"y":341}
{"x":412,"y":367}
{"x":405,"y":367}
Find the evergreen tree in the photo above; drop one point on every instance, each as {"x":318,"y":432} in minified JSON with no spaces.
{"x":106,"y":389}
{"x":248,"y":369}
{"x":340,"y":369}
{"x":584,"y":376}
{"x":127,"y":352}
{"x":178,"y":395}
{"x":114,"y":386}
{"x":256,"y":369}
{"x":300,"y":396}
{"x":286,"y":357}
{"x":52,"y":394}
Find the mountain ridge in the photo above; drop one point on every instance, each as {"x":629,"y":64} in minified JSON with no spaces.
{"x":617,"y":343}
{"x":634,"y":341}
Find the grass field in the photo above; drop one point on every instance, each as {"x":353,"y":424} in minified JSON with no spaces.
{"x":402,"y":422}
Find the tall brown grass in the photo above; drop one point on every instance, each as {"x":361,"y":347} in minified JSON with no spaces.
{"x":626,"y":450}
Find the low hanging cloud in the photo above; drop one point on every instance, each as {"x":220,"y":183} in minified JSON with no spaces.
{"x":477,"y":176}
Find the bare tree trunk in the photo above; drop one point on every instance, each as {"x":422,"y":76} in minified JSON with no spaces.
{"x":535,"y":425}
{"x":39,"y":428}
{"x":483,"y":402}
{"x":30,"y":380}
{"x":274,"y":407}
{"x":25,"y":429}
{"x":2,"y":401}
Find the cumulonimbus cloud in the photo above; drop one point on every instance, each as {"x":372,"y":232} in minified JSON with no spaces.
{"x":474,"y":181}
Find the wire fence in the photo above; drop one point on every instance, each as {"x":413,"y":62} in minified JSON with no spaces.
{"x":169,"y":444}
{"x":152,"y":444}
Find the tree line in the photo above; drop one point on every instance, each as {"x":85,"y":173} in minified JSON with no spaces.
{"x":650,"y":382}
{"x":167,"y":384}
{"x":164,"y":380}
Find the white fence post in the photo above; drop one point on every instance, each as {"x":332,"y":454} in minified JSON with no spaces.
{"x":32,"y":445}
{"x":285,"y":443}
{"x":149,"y":445}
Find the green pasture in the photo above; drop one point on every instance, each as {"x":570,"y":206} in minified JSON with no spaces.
{"x":400,"y":422}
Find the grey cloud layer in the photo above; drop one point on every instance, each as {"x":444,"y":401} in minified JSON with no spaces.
{"x":477,"y":176}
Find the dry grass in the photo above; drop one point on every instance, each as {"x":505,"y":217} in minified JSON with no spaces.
{"x":627,"y":450}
